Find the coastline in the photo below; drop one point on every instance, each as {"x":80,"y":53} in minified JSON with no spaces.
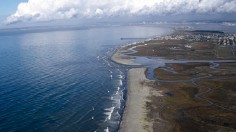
{"x":120,"y":58}
{"x":138,"y":91}
{"x":135,"y":110}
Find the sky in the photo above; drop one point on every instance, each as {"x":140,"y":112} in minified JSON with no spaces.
{"x":9,"y":6}
{"x":18,"y":11}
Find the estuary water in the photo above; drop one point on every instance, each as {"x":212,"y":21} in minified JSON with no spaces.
{"x":64,"y":80}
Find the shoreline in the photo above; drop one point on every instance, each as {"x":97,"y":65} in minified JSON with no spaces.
{"x":134,"y":117}
{"x":120,"y":58}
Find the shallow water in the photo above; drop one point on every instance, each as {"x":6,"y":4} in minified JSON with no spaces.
{"x":64,"y":80}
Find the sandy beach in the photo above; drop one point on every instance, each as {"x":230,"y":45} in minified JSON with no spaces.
{"x":134,"y":118}
{"x":135,"y":111}
{"x":120,"y":58}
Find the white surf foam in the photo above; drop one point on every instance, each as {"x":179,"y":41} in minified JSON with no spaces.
{"x":120,"y":76}
{"x":120,"y":82}
{"x":107,"y":129}
{"x":109,"y":113}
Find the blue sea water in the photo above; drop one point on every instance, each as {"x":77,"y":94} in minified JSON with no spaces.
{"x":64,"y":80}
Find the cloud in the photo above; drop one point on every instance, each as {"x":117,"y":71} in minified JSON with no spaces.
{"x":45,"y":10}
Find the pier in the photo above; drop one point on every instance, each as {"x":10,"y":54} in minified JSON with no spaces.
{"x":132,"y":38}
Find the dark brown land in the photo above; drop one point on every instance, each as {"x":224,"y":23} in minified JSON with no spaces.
{"x":204,"y":99}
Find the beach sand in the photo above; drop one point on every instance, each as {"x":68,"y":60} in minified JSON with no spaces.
{"x":120,"y":58}
{"x":135,"y":111}
{"x":134,"y":118}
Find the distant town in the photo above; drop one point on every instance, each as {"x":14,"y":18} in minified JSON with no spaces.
{"x":223,"y":38}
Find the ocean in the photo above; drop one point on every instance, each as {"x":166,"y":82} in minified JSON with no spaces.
{"x":64,"y":80}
